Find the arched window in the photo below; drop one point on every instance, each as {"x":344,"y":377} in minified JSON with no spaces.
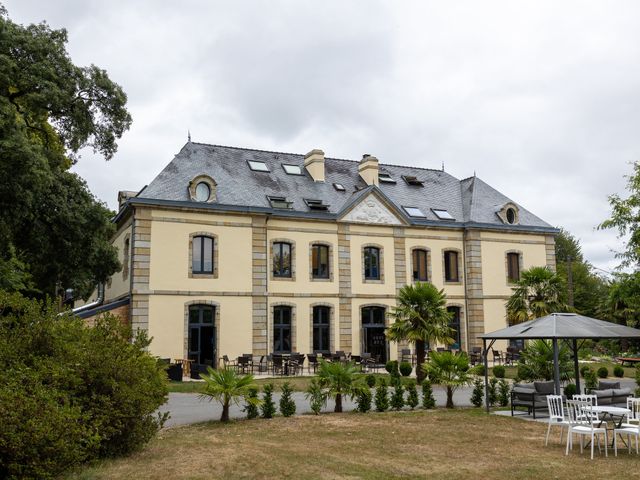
{"x":371,"y":263}
{"x":420,"y":266}
{"x":202,"y":254}
{"x":451,"y":273}
{"x":454,"y":324}
{"x":319,"y":261}
{"x":282,"y":259}
{"x":282,"y":329}
{"x":321,"y":329}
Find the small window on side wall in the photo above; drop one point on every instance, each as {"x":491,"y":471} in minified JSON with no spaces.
{"x":320,"y":261}
{"x":282,"y":260}
{"x":420,"y":266}
{"x":372,"y":263}
{"x":451,"y":273}
{"x":202,"y":255}
{"x":513,"y":267}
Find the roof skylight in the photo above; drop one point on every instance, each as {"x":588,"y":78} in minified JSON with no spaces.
{"x":385,"y":178}
{"x":279,"y":202}
{"x":316,"y":204}
{"x":442,"y":214}
{"x":339,"y":187}
{"x":292,"y":169}
{"x":414,"y":212}
{"x":412,"y":180}
{"x":258,"y":166}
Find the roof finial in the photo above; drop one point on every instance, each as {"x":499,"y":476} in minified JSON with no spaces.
{"x":474,"y":174}
{"x":443,"y":165}
{"x":188,"y":135}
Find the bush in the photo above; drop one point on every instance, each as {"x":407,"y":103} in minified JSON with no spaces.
{"x":603,"y":372}
{"x":493,"y":391}
{"x":427,"y":395}
{"x":382,"y":396}
{"x":363,"y":400}
{"x":590,"y":380}
{"x":499,"y":371}
{"x":392,"y":367}
{"x":584,"y":370}
{"x":371,"y":380}
{"x":397,"y":398}
{"x":618,"y":371}
{"x":287,"y":405}
{"x":477,"y":395}
{"x":70,"y":393}
{"x":250,"y":407}
{"x":478,"y":370}
{"x":503,"y":393}
{"x":268,"y":407}
{"x":412,"y":396}
{"x":570,"y":390}
{"x":316,"y":396}
{"x":405,"y":369}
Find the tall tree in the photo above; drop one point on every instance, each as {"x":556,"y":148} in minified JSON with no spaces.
{"x":421,"y":318}
{"x":539,"y":292}
{"x":53,"y":232}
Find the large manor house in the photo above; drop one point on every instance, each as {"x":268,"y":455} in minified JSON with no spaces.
{"x":232,"y":250}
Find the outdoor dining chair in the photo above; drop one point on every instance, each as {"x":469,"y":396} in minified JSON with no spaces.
{"x":497,"y":356}
{"x":312,"y":362}
{"x":581,"y":423}
{"x":630,"y":428}
{"x":590,"y":400}
{"x":556,"y":415}
{"x":633,"y":418}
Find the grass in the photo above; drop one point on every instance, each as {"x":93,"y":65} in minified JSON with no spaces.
{"x":461,"y":444}
{"x":629,"y":372}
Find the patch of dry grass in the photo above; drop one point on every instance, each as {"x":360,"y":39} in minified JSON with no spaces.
{"x":461,"y":444}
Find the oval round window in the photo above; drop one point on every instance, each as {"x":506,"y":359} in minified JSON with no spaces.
{"x":511,"y":215}
{"x":202,"y":192}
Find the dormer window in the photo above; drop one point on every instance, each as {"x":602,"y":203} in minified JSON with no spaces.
{"x":412,"y":180}
{"x":509,"y":214}
{"x":202,"y":192}
{"x":414,"y":212}
{"x":202,"y":189}
{"x":258,"y":166}
{"x":292,"y":169}
{"x":316,"y":205}
{"x":442,"y":214}
{"x":385,"y":178}
{"x":280,"y":202}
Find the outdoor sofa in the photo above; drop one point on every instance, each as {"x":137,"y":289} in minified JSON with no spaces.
{"x":532,"y":396}
{"x":610,"y":393}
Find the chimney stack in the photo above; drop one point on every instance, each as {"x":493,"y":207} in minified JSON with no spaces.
{"x":314,"y":163}
{"x":368,"y":169}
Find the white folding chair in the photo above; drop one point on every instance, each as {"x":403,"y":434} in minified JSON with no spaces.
{"x":581,"y":423}
{"x":556,"y":415}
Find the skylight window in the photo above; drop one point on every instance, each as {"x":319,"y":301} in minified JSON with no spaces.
{"x":385,"y":178}
{"x":316,"y":205}
{"x":257,"y":166}
{"x":414,"y":212}
{"x":442,"y":214}
{"x":292,"y":169}
{"x":279,"y":202}
{"x":411,"y":180}
{"x":339,"y":187}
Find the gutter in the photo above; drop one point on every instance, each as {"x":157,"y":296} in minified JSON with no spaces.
{"x":96,"y":303}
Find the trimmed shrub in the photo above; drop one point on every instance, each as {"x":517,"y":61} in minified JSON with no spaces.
{"x":250,"y":408}
{"x":504,"y":391}
{"x":268,"y":407}
{"x":478,"y":370}
{"x":603,"y":372}
{"x":493,"y":391}
{"x":477,"y":395}
{"x":371,"y":380}
{"x":405,"y":369}
{"x":499,"y":371}
{"x":397,"y":398}
{"x":584,"y":369}
{"x":382,"y":396}
{"x":316,"y":396}
{"x":287,"y":405}
{"x":618,"y":371}
{"x":570,"y":390}
{"x":392,"y":367}
{"x":412,"y":396}
{"x":363,"y":400}
{"x":427,"y":395}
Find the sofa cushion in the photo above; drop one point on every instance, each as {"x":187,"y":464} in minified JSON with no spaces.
{"x":619,"y":395}
{"x":524,"y":386}
{"x":603,"y":385}
{"x":523,"y":394}
{"x":544,"y":388}
{"x":604,"y":396}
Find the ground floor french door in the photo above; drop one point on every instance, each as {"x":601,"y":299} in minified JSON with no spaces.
{"x":374,"y":340}
{"x":202,"y":335}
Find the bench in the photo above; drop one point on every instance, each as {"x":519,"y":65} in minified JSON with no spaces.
{"x":630,"y":360}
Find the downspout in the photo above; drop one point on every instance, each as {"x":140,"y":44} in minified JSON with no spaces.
{"x":96,"y":303}
{"x":266,"y":276}
{"x":466,"y":292}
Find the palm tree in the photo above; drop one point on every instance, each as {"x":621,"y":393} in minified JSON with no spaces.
{"x":338,"y":379}
{"x":420,"y":317}
{"x":449,"y":370}
{"x":536,"y":361}
{"x":227,"y":386}
{"x":537,"y":293}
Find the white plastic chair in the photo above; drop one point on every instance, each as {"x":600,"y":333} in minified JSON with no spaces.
{"x":556,"y":415}
{"x":590,"y":400}
{"x":581,"y":423}
{"x":630,"y":428}
{"x":633,"y":418}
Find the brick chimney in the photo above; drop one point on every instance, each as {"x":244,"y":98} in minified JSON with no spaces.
{"x":368,"y":169}
{"x":314,"y":163}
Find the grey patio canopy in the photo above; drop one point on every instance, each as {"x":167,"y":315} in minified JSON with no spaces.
{"x":554,"y":327}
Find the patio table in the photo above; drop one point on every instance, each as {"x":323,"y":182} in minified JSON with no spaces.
{"x":611,"y":412}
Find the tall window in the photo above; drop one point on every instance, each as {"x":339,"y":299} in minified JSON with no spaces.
{"x":513,"y":267}
{"x":125,"y":260}
{"x":282,"y":329}
{"x":202,"y":255}
{"x":321,"y":329}
{"x":451,"y":266}
{"x":320,"y":261}
{"x":454,"y":324}
{"x":371,"y":263}
{"x":420,"y":266}
{"x":282,"y":259}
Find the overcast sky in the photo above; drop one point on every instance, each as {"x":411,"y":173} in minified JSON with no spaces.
{"x":540,"y":99}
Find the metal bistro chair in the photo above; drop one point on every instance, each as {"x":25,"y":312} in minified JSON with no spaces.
{"x":277,"y":364}
{"x":581,"y":423}
{"x":244,"y":364}
{"x":556,"y":415}
{"x":312,"y":362}
{"x":497,"y":356}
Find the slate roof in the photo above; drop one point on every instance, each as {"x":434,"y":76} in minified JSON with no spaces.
{"x":470,"y":201}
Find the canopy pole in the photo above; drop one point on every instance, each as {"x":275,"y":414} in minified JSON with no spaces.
{"x":556,"y":366}
{"x":485,"y":352}
{"x":575,"y":365}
